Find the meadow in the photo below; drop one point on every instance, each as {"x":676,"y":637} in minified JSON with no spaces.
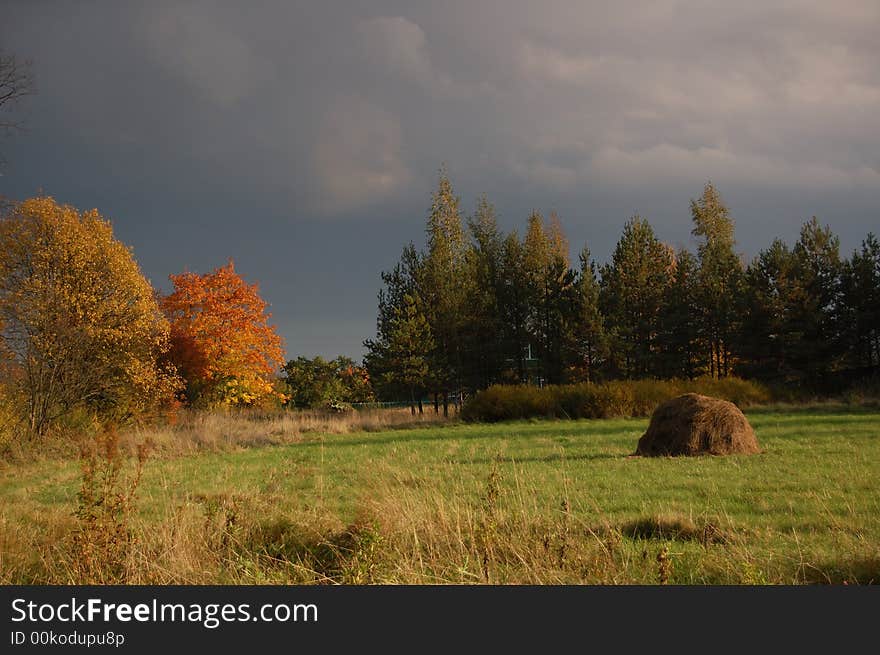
{"x":234,"y":500}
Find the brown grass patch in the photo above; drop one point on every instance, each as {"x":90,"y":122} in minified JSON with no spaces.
{"x":194,"y":431}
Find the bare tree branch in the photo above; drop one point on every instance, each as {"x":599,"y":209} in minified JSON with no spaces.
{"x":16,"y":82}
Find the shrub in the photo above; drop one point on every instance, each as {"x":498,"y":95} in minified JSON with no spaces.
{"x":647,"y":394}
{"x":738,"y":391}
{"x":620,"y":398}
{"x":575,"y":400}
{"x":500,"y":402}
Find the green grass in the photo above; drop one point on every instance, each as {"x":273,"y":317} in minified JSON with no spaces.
{"x":806,"y":509}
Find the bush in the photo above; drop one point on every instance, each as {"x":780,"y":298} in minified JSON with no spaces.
{"x":738,"y":391}
{"x":621,"y":398}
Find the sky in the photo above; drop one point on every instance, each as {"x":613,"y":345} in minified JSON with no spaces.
{"x":304,"y":139}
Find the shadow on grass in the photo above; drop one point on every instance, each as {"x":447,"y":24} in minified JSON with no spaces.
{"x":674,"y":528}
{"x":861,"y":571}
{"x":556,"y":457}
{"x":346,"y":556}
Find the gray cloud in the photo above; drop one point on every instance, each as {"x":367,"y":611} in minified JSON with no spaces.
{"x":206,"y":54}
{"x":308,"y":123}
{"x":397,"y":45}
{"x":358,"y":157}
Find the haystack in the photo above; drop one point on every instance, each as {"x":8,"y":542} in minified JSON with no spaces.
{"x":698,"y":425}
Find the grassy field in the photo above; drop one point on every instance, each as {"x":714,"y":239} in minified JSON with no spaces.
{"x":527,"y":502}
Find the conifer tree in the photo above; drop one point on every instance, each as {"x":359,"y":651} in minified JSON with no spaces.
{"x":446,"y":287}
{"x":764,"y":341}
{"x":409,"y":345}
{"x":514,"y":302}
{"x":720,"y":277}
{"x":679,"y":323}
{"x":861,"y":304}
{"x":588,"y":342}
{"x":632,"y":291}
{"x":815,"y":307}
{"x":484,"y":359}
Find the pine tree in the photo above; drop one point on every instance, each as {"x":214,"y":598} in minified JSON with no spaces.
{"x":484,"y":352}
{"x":632,"y":291}
{"x":409,"y":345}
{"x":860,"y":297}
{"x":813,"y":313}
{"x":514,"y":303}
{"x":720,"y":277}
{"x":764,"y":340}
{"x":679,"y":327}
{"x":405,"y":279}
{"x":588,"y":342}
{"x":550,"y":291}
{"x":446,"y":288}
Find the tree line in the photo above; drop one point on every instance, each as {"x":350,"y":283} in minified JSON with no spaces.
{"x":82,"y":330}
{"x":477,"y":307}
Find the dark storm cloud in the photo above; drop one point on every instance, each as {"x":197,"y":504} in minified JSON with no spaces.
{"x":303,"y":139}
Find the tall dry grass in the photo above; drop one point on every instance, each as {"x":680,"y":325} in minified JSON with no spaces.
{"x":406,"y":533}
{"x":406,"y":529}
{"x":191,"y":431}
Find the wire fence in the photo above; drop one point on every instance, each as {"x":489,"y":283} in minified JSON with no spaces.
{"x":382,"y":405}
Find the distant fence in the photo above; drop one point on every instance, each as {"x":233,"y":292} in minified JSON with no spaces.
{"x":386,"y":405}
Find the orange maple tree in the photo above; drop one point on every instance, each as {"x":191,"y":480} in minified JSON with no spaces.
{"x":221,"y":339}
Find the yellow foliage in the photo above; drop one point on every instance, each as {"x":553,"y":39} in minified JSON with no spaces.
{"x":80,"y":320}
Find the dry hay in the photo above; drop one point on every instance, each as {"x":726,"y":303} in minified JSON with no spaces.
{"x":698,"y":425}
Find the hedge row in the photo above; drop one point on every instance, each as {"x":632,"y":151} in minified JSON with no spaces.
{"x":609,"y":400}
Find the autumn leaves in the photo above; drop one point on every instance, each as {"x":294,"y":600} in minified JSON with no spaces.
{"x":221,"y":341}
{"x":83,"y":329}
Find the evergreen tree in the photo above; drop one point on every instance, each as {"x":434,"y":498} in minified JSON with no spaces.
{"x":446,"y":288}
{"x":860,"y":297}
{"x":409,"y":345}
{"x":403,"y":280}
{"x":764,"y":340}
{"x":514,"y":303}
{"x":484,"y":358}
{"x":550,"y":292}
{"x":813,"y":313}
{"x":679,"y":321}
{"x":720,"y":277}
{"x":633,"y":288}
{"x":588,"y":342}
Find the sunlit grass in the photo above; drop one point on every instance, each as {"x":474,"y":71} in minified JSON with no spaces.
{"x":806,"y":509}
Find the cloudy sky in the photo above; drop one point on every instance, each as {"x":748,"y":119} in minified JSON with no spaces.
{"x":303,"y":139}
